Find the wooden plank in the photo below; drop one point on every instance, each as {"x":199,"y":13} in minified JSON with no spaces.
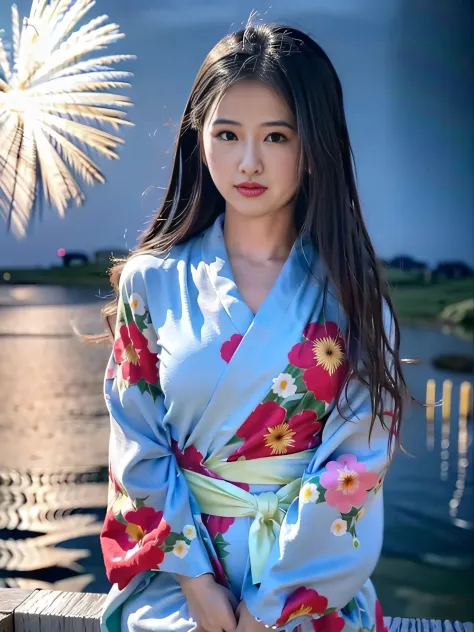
{"x":448,"y":626}
{"x":11,"y":598}
{"x":6,"y":622}
{"x":425,"y":625}
{"x":54,"y":611}
{"x":395,"y":625}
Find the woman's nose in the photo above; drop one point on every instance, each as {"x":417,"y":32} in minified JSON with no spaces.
{"x":251,"y":162}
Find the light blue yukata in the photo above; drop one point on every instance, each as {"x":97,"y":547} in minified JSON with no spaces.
{"x":227,"y":453}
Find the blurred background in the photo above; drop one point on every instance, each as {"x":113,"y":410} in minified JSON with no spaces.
{"x":406,"y":68}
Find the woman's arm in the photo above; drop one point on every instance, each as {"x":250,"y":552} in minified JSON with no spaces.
{"x":149,"y":523}
{"x":331,"y":537}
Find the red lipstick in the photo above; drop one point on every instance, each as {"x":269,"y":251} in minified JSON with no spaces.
{"x":250,"y":189}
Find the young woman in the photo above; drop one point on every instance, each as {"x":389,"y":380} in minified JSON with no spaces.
{"x":255,"y":387}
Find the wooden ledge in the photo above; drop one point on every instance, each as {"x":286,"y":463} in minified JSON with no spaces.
{"x":55,"y":611}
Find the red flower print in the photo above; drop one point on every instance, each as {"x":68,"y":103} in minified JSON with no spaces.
{"x":323,"y":357}
{"x":191,"y":459}
{"x":146,"y":528}
{"x":267,"y":432}
{"x":230,"y":347}
{"x":219,"y":572}
{"x":379,"y":622}
{"x":132,"y":353}
{"x":389,"y":422}
{"x":117,"y":487}
{"x":347,"y":483}
{"x":302,"y":601}
{"x":217,"y":524}
{"x":329,"y":623}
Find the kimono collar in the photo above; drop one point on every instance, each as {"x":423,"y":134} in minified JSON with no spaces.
{"x":294,"y":272}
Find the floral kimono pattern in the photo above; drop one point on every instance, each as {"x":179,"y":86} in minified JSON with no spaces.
{"x":196,"y":381}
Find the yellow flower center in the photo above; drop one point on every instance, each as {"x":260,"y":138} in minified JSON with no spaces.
{"x":179,"y":549}
{"x":279,"y":438}
{"x":135,"y":532}
{"x":130,"y":354}
{"x":338,"y":527}
{"x":307,"y":493}
{"x":348,"y":481}
{"x":300,"y":612}
{"x":134,"y":304}
{"x":328,"y":354}
{"x":283,"y":384}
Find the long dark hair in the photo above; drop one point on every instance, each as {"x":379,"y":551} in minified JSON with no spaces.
{"x":327,"y":205}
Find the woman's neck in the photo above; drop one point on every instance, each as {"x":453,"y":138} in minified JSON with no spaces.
{"x":259,"y":239}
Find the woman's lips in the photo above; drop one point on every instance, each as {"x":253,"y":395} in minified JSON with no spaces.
{"x":251,"y":190}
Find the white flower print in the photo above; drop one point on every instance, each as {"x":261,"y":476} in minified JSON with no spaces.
{"x":180,"y":548}
{"x":189,"y":532}
{"x":284,"y":385}
{"x":339,"y":527}
{"x":150,"y":335}
{"x":137,"y":304}
{"x":309,"y":493}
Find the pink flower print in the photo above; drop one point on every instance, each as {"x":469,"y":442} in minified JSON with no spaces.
{"x":230,"y":347}
{"x":347,"y":483}
{"x":323,"y":357}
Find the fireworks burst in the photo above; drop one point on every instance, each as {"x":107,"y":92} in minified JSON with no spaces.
{"x":53,"y":100}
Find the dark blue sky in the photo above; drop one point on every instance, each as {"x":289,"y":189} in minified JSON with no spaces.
{"x":406,"y":70}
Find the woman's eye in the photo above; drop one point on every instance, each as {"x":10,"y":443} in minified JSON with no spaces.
{"x":226,"y":135}
{"x":276,"y":137}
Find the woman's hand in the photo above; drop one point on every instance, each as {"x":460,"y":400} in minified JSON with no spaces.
{"x":210,"y":604}
{"x":246,"y":622}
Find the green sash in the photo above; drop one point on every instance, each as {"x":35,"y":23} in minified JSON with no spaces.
{"x":220,"y":498}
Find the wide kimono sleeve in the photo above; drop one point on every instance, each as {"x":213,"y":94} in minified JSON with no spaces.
{"x":331,"y":537}
{"x":149,"y":524}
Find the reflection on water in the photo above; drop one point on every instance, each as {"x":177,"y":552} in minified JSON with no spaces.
{"x":53,"y":456}
{"x":44,"y":518}
{"x":463,"y":460}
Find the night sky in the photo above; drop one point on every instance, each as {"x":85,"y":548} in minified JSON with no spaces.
{"x":406,"y":71}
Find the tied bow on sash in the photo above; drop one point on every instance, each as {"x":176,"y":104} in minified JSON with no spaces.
{"x":220,"y":498}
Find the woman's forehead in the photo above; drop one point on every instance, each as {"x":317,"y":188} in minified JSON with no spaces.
{"x":250,"y":100}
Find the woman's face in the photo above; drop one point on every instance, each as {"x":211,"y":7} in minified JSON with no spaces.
{"x":250,"y":138}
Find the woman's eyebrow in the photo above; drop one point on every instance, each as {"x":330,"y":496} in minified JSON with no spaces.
{"x":224,"y":121}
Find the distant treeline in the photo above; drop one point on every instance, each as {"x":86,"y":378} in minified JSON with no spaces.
{"x":443,"y":270}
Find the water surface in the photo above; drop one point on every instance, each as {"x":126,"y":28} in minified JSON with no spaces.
{"x":53,"y":458}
